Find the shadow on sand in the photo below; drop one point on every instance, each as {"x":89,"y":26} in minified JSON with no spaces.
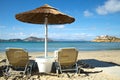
{"x":92,"y":63}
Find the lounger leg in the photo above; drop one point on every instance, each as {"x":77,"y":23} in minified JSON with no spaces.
{"x":79,"y":69}
{"x":28,"y":69}
{"x":6,"y":72}
{"x":58,"y":68}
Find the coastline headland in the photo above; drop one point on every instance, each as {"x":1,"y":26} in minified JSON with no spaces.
{"x":106,"y":38}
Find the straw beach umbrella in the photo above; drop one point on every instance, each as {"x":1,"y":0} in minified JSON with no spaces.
{"x":45,"y":15}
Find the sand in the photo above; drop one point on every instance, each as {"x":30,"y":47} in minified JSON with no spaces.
{"x":97,"y":65}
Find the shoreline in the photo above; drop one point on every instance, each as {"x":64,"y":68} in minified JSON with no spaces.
{"x":78,"y":51}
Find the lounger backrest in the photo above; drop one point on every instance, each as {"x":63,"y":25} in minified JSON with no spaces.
{"x":17,"y":57}
{"x":67,"y":56}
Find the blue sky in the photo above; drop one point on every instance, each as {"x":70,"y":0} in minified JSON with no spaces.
{"x":92,"y":18}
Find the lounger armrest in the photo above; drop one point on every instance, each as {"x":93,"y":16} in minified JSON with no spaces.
{"x":56,"y":54}
{"x":3,"y":60}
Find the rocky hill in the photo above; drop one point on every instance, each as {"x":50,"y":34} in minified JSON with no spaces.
{"x":33,"y":39}
{"x":29,"y":39}
{"x":106,"y":38}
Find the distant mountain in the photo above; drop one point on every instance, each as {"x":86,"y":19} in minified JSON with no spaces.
{"x":2,"y":40}
{"x":33,"y":39}
{"x":14,"y":40}
{"x":106,"y":38}
{"x":29,"y":39}
{"x":11,"y":40}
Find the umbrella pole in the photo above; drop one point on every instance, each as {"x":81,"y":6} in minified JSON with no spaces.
{"x":46,"y":36}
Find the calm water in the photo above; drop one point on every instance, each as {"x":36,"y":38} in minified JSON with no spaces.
{"x":52,"y":46}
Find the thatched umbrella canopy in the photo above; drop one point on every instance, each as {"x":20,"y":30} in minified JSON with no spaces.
{"x":45,"y":15}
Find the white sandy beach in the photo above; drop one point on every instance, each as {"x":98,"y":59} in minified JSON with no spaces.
{"x":107,"y":61}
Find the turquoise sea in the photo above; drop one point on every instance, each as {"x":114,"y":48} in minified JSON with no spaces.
{"x":52,"y":46}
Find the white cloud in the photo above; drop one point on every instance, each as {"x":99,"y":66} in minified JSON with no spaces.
{"x":17,"y":28}
{"x":110,"y":6}
{"x":20,"y":34}
{"x":73,"y":36}
{"x":35,"y":34}
{"x":87,"y":13}
{"x":57,"y":26}
{"x":12,"y":35}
